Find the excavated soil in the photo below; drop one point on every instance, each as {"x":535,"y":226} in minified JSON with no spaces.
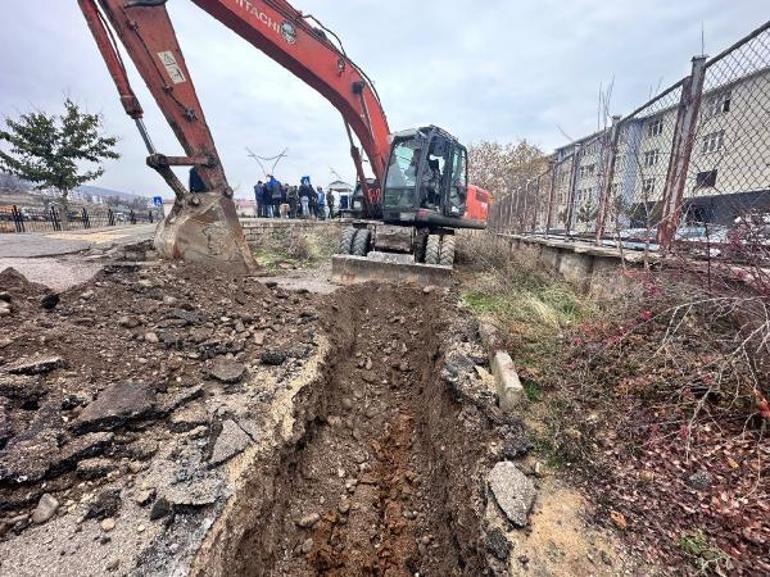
{"x":386,"y":480}
{"x":203,"y":422}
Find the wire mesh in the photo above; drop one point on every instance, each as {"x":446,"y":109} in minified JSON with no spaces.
{"x":619,"y":183}
{"x":645,"y":142}
{"x":728,"y":179}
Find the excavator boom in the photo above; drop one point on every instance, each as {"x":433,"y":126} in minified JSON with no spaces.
{"x":424,"y":179}
{"x":299,"y":43}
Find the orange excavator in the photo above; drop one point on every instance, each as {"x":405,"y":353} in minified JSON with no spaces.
{"x":419,"y":195}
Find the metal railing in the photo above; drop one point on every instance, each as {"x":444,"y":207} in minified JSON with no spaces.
{"x":691,"y":164}
{"x":18,"y":220}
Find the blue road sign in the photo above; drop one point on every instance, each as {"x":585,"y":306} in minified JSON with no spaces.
{"x":157,"y":200}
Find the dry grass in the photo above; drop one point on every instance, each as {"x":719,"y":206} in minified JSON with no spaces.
{"x":533,"y":308}
{"x":297,"y":247}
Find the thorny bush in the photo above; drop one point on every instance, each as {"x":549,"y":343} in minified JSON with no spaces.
{"x":662,"y":409}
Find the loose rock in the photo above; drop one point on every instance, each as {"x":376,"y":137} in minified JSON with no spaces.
{"x":160,"y":509}
{"x":700,"y":480}
{"x":513,"y":491}
{"x":107,"y":525}
{"x":116,"y":406}
{"x":308,"y":520}
{"x":231,"y":441}
{"x":45,"y":509}
{"x":36,"y":365}
{"x":227,"y":370}
{"x":274,"y":358}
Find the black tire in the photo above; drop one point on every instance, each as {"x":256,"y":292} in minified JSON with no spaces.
{"x":433,"y":249}
{"x":447,"y":257}
{"x":346,"y":241}
{"x":420,"y":241}
{"x":361,"y":242}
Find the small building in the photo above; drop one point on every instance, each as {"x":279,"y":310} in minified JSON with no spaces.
{"x":343,"y":194}
{"x":246,"y":207}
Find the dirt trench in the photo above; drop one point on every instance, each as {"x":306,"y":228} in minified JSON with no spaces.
{"x":385,"y":480}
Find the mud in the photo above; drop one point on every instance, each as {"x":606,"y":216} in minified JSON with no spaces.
{"x":385,"y":478}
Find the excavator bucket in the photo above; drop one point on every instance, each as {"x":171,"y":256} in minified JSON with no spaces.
{"x":204,"y":227}
{"x":387,"y":267}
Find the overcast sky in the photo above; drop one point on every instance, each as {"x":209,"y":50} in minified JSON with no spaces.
{"x":491,"y":69}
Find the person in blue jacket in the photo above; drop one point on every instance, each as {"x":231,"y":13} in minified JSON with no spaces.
{"x":275,"y":191}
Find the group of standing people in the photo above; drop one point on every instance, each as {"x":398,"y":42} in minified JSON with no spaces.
{"x":278,"y":200}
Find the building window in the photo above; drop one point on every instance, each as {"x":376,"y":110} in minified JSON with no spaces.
{"x":713,"y":142}
{"x":651,"y":158}
{"x":648,"y":186}
{"x":655,"y":128}
{"x":719,"y":104}
{"x":584,"y":195}
{"x":587,"y":170}
{"x":707,"y":179}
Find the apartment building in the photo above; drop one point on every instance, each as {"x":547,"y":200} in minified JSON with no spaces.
{"x":728,"y":174}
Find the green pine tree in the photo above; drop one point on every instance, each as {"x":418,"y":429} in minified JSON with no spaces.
{"x":56,"y":151}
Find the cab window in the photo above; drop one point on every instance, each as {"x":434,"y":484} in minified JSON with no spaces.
{"x":401,"y":178}
{"x":459,"y":188}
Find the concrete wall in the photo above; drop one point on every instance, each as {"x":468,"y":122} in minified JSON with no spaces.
{"x":257,"y":230}
{"x":593,"y":270}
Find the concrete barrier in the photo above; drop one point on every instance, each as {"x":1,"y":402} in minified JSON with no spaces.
{"x":510,"y":392}
{"x":598,"y":271}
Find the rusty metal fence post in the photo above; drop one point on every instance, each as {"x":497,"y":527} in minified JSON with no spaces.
{"x":606,"y":191}
{"x":681,"y":151}
{"x":549,"y":208}
{"x":573,"y":177}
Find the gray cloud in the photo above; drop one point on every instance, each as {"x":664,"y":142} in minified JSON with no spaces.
{"x":483,"y":70}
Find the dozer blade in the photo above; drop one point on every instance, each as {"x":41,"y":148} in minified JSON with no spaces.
{"x":383,"y":267}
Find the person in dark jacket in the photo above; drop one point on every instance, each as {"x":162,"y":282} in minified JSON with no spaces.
{"x":196,"y":182}
{"x":305,"y":194}
{"x":313,"y":203}
{"x":259,"y":196}
{"x":330,"y":203}
{"x":293,"y":201}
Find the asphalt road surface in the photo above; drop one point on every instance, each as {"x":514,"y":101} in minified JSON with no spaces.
{"x":54,"y":259}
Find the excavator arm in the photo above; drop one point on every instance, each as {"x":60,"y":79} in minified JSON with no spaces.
{"x":296,"y":41}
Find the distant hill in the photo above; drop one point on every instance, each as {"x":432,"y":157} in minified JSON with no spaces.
{"x":12,"y":183}
{"x":105,"y":192}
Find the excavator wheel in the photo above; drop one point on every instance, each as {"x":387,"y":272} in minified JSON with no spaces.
{"x":420,"y":244}
{"x":346,"y":241}
{"x":447,"y":257}
{"x":433,"y":249}
{"x":361,"y":242}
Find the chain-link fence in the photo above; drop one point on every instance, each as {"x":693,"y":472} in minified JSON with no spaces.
{"x":690,"y":166}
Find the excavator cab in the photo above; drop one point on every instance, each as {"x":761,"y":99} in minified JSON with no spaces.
{"x":425,"y":198}
{"x":426,"y":180}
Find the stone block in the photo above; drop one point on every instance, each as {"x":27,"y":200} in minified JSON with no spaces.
{"x":510,"y":393}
